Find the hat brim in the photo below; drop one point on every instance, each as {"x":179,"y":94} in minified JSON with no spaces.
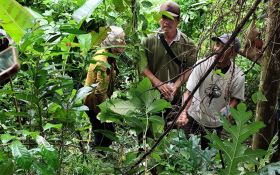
{"x":172,"y":14}
{"x":216,"y":39}
{"x":236,"y":44}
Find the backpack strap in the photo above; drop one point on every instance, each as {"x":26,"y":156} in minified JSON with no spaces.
{"x":170,"y":52}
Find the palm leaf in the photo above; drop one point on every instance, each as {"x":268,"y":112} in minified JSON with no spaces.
{"x":15,"y":19}
{"x":86,"y":9}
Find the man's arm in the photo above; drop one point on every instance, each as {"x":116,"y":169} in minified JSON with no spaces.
{"x":183,"y":118}
{"x":225,"y":111}
{"x":164,"y":89}
{"x":233,"y":102}
{"x":181,"y":80}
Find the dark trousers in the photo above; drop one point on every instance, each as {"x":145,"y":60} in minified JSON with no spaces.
{"x":170,"y":113}
{"x":193,"y":127}
{"x":99,"y":138}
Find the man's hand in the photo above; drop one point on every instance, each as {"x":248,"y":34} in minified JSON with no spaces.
{"x":166,"y":90}
{"x":183,"y":119}
{"x":174,"y":90}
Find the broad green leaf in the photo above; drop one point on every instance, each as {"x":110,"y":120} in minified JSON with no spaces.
{"x":157,"y":124}
{"x":28,"y":133}
{"x":26,"y":97}
{"x":146,"y":4}
{"x":85,"y":42}
{"x":21,"y":155}
{"x":42,"y":169}
{"x":50,"y":157}
{"x":71,"y":29}
{"x":84,"y":91}
{"x":41,"y":141}
{"x":156,"y":156}
{"x":138,"y":124}
{"x":156,"y":119}
{"x":3,"y":156}
{"x":50,"y":125}
{"x":144,"y":21}
{"x":15,"y":19}
{"x":5,"y":138}
{"x":7,"y":167}
{"x":241,"y":107}
{"x":81,"y":2}
{"x":144,"y":85}
{"x":165,"y":13}
{"x":258,"y":97}
{"x":33,"y":13}
{"x":122,"y":107}
{"x":81,"y":108}
{"x":149,"y":97}
{"x":18,"y":149}
{"x":130,"y":157}
{"x":97,"y":38}
{"x":86,"y":10}
{"x":144,"y":92}
{"x":41,"y":78}
{"x":158,"y":105}
{"x":107,"y":116}
{"x":31,"y":38}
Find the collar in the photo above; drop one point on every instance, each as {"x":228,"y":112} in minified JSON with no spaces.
{"x":177,"y":37}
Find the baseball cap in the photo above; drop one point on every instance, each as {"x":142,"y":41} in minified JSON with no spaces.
{"x":171,"y":7}
{"x":224,"y":39}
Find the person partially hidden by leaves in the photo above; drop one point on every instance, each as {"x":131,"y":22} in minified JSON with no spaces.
{"x":168,"y":53}
{"x":223,"y":88}
{"x":103,"y":73}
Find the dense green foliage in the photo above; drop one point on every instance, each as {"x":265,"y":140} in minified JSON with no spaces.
{"x":43,"y":125}
{"x":235,"y":151}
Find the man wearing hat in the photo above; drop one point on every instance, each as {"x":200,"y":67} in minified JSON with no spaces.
{"x":217,"y":93}
{"x":161,"y":68}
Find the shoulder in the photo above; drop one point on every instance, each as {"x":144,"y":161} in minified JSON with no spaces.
{"x":99,"y":59}
{"x":150,"y":38}
{"x":100,"y":56}
{"x":239,"y":72}
{"x":205,"y":61}
{"x":185,"y":38}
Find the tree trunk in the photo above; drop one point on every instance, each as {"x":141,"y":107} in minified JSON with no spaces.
{"x":270,"y":78}
{"x":134,"y":15}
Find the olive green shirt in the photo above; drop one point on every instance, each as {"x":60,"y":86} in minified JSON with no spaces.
{"x":160,"y":63}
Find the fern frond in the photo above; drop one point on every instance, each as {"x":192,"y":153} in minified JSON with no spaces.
{"x":234,"y":149}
